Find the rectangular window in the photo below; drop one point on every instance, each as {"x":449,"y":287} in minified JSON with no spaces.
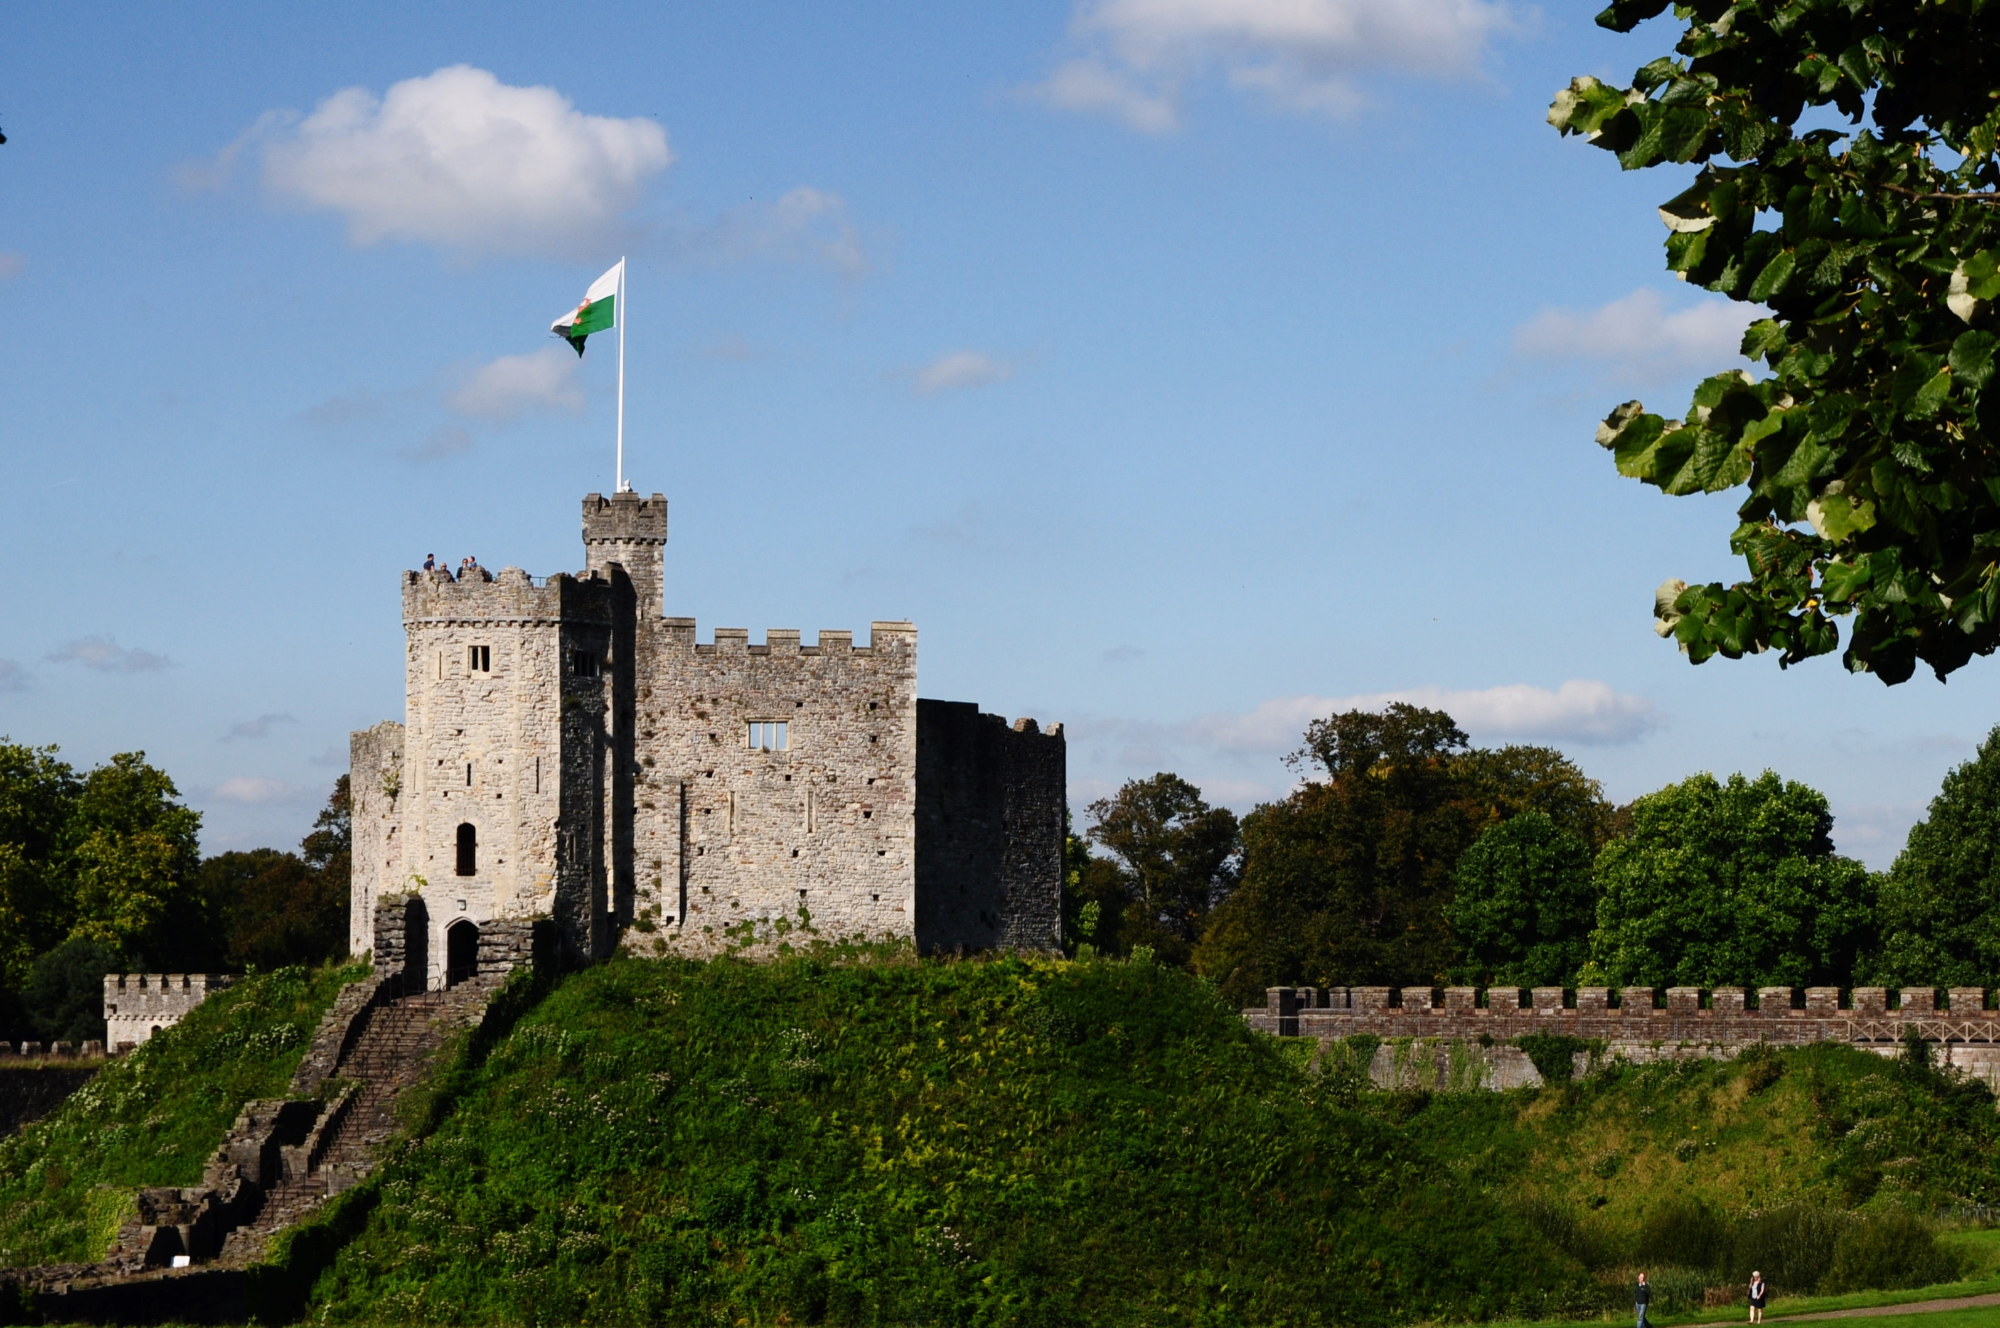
{"x":479,"y":659}
{"x":583,"y":663}
{"x":768,"y":736}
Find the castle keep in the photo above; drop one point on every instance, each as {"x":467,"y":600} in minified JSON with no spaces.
{"x":569,"y":757}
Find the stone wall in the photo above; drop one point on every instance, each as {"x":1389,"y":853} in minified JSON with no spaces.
{"x":989,"y":819}
{"x":138,"y":1005}
{"x":1692,"y":1015}
{"x":616,"y":777}
{"x":375,"y":782}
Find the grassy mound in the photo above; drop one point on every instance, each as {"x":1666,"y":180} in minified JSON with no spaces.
{"x":899,"y":1142}
{"x":153,"y":1117}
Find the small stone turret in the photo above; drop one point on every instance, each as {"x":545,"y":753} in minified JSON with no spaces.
{"x":632,"y":532}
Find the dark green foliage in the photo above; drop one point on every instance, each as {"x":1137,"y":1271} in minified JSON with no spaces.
{"x":152,"y":1117}
{"x":1889,"y":1250}
{"x":1554,"y":1054}
{"x":1684,"y":1233}
{"x":1792,"y":1246}
{"x":895,"y":1142}
{"x":1347,"y":880}
{"x":1941,"y":901}
{"x":1179,"y":857}
{"x":1734,"y":883}
{"x":1524,"y":905}
{"x":65,"y":998}
{"x":274,"y":909}
{"x":1868,"y":451}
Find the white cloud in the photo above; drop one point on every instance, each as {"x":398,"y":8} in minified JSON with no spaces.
{"x":1302,"y":55}
{"x":104,"y":654}
{"x":1635,"y":339}
{"x":806,"y":225}
{"x":249,"y":792}
{"x":259,"y":727}
{"x":13,"y":678}
{"x":11,"y":264}
{"x":443,"y":444}
{"x":459,"y":159}
{"x":1583,"y":711}
{"x":515,"y":385}
{"x":961,"y":368}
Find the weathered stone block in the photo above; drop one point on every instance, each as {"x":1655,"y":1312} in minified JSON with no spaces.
{"x":1635,"y":1002}
{"x":1460,"y":998}
{"x":1968,"y":1000}
{"x":1547,"y":999}
{"x":1683,"y":1000}
{"x":1918,"y":1000}
{"x":1416,"y":999}
{"x":1503,"y":998}
{"x":1871,"y":1000}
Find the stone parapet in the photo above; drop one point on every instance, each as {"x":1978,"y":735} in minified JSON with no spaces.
{"x":138,"y":1005}
{"x":1781,"y":1015}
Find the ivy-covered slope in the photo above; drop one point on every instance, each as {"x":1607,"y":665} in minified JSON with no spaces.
{"x":153,"y":1116}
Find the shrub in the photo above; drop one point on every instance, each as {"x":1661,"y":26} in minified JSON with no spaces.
{"x":1554,"y":1054}
{"x":1677,"y":1290}
{"x":1792,"y":1246}
{"x":1889,"y":1251}
{"x":1684,"y":1233}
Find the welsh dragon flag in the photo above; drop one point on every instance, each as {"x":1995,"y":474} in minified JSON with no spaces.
{"x":598,"y":311}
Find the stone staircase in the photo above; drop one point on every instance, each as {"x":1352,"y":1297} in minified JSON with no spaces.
{"x":283,"y":1157}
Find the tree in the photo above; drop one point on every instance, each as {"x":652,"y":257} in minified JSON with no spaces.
{"x":1179,"y":856}
{"x":272,"y":908}
{"x":1095,"y":897}
{"x":1941,"y":900}
{"x":1346,"y":881}
{"x":1731,"y":883}
{"x":135,"y":856}
{"x":1524,"y":904}
{"x":65,"y":998}
{"x":38,"y":795}
{"x":1871,"y":451}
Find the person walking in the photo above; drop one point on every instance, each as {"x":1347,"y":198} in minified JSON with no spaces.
{"x":1642,"y":1296}
{"x":1758,"y":1292}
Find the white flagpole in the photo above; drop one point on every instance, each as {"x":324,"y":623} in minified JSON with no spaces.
{"x":621,"y":376}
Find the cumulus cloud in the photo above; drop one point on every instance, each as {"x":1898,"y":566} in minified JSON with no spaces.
{"x":104,"y":654}
{"x":259,"y":727}
{"x":515,"y":385}
{"x":13,"y":678}
{"x":1300,"y":55}
{"x":1637,"y":339}
{"x":11,"y":264}
{"x":459,"y":159}
{"x":251,"y":792}
{"x":1583,"y":711}
{"x":960,"y":368}
{"x":441,"y":445}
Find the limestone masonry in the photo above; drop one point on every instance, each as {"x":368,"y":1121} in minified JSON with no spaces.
{"x":570,"y":755}
{"x":138,"y":1005}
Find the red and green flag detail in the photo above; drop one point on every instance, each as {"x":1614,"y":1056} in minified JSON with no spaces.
{"x":598,"y":312}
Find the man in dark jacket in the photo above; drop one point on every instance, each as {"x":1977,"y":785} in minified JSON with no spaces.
{"x":1642,"y":1296}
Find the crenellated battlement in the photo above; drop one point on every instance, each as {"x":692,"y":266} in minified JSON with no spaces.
{"x":511,"y":596}
{"x":624,"y":518}
{"x":883,"y":638}
{"x":1691,"y":1015}
{"x":138,"y":1005}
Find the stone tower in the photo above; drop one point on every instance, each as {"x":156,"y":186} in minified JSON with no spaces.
{"x":570,"y":754}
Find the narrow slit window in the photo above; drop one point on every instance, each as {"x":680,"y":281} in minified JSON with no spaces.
{"x":468,"y":774}
{"x":769,"y":736}
{"x":479,"y":659}
{"x":468,"y":850}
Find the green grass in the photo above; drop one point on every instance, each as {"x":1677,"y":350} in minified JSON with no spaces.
{"x":152,"y":1117}
{"x":1038,"y":1142}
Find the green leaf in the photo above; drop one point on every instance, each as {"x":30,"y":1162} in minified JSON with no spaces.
{"x":1763,"y":337}
{"x":1972,"y":358}
{"x":1931,"y":395}
{"x":1836,"y":515}
{"x":1773,"y":278}
{"x":1584,"y":106}
{"x":1843,"y":581}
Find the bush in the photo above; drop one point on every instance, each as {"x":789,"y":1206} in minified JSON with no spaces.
{"x":1677,"y":1290}
{"x":1792,"y":1246}
{"x":1888,"y":1252}
{"x":1684,"y":1233}
{"x":1554,"y":1054}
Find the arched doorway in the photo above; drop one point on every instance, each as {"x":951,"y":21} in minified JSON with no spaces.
{"x":416,"y":945}
{"x":461,"y":952}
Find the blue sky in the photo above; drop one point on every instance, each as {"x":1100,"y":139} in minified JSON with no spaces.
{"x":1184,"y":368}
